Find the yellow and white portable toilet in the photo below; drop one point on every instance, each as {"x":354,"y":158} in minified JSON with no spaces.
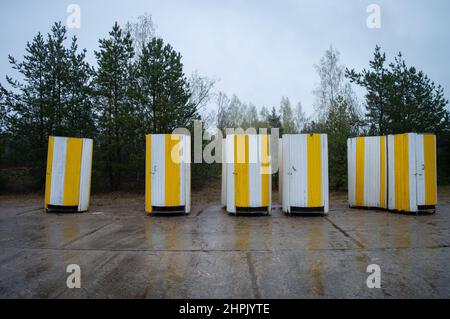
{"x":412,"y":172}
{"x":68,"y":176}
{"x":303,"y":175}
{"x":168,"y":173}
{"x":248,"y":173}
{"x":367,"y":171}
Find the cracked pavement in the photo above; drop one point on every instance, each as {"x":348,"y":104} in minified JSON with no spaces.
{"x":123,"y":253}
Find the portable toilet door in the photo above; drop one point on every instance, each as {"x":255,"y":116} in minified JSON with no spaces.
{"x":412,"y":172}
{"x":167,"y":173}
{"x":367,"y":171}
{"x":248,"y":173}
{"x":68,"y":176}
{"x":304,"y":173}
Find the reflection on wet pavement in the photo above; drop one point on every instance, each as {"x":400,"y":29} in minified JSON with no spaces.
{"x":125,"y":253}
{"x":315,"y":241}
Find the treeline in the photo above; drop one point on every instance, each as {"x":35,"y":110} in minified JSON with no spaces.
{"x":398,"y":99}
{"x":138,"y":86}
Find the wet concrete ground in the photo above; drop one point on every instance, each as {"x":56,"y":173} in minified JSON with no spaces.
{"x":210,"y":254}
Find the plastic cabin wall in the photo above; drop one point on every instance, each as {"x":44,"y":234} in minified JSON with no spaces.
{"x":248,"y":172}
{"x":304,"y":172}
{"x":68,"y":175}
{"x":168,"y":175}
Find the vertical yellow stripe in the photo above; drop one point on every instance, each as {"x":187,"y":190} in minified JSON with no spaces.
{"x":360,"y":162}
{"x":429,"y":145}
{"x":73,"y":169}
{"x":314,"y":170}
{"x":237,"y":169}
{"x":148,"y":173}
{"x":383,"y":171}
{"x":265,"y":187}
{"x":172,"y":173}
{"x":241,"y":178}
{"x":401,"y":166}
{"x":246,"y":180}
{"x":48,"y":176}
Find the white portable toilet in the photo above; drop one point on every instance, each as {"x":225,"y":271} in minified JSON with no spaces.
{"x":168,"y":173}
{"x":412,"y":172}
{"x":303,"y":175}
{"x":68,"y":176}
{"x":367,"y":171}
{"x":248,"y":173}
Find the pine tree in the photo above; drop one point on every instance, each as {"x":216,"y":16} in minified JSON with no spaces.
{"x":51,"y":99}
{"x":113,"y":90}
{"x":378,"y":82}
{"x":274,"y":120}
{"x":399,"y":98}
{"x":416,"y":104}
{"x":163,"y":93}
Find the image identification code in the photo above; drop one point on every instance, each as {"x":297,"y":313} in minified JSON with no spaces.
{"x":232,"y":308}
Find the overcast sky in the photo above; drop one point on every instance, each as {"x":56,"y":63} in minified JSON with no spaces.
{"x":258,"y":50}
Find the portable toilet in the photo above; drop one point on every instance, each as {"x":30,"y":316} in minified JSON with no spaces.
{"x":303,"y":174}
{"x":412,"y":172}
{"x":397,"y":172}
{"x":367,"y":171}
{"x":168,"y":173}
{"x":68,"y":176}
{"x":248,"y":173}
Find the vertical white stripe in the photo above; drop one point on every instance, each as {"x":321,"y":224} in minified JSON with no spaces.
{"x":367,"y":171}
{"x":391,"y":172}
{"x":229,"y":153}
{"x":324,"y":141}
{"x":285,"y":171}
{"x":158,"y":169}
{"x":85,"y":175}
{"x":271,"y":172}
{"x":254,"y":167}
{"x":294,"y":197}
{"x":58,"y":170}
{"x":297,"y":170}
{"x":372,"y":171}
{"x":351,"y":170}
{"x":182,"y":157}
{"x":385,"y":163}
{"x":302,"y":171}
{"x":187,"y":175}
{"x":412,"y":172}
{"x":420,"y":162}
